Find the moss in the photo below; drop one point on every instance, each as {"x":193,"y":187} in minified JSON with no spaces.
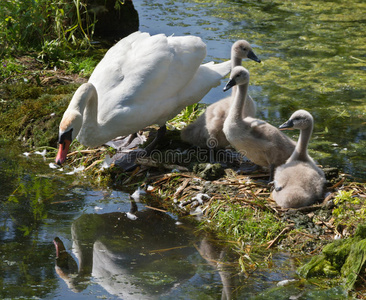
{"x":342,"y":257}
{"x":354,"y":264}
{"x":32,"y":114}
{"x":361,"y":231}
{"x":337,"y":252}
{"x":318,"y":266}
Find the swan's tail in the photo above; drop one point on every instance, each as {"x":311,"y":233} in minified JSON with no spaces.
{"x":223,"y":68}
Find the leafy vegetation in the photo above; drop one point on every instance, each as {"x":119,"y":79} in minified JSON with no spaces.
{"x":44,"y":25}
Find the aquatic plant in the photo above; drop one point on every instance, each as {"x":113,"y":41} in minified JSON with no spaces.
{"x":344,"y":258}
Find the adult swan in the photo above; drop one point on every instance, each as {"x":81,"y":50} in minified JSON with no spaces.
{"x":142,"y":80}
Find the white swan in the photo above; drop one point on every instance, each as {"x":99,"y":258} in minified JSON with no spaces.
{"x":206,"y":131}
{"x":259,"y":141}
{"x":142,"y":80}
{"x":299,"y":182}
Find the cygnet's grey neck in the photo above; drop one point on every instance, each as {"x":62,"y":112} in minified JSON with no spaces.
{"x":301,"y":149}
{"x":235,"y":60}
{"x":239,"y":101}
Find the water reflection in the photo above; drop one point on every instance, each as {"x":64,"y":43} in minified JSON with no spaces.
{"x":146,"y":257}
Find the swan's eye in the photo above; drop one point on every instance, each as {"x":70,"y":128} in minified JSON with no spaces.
{"x":244,"y":49}
{"x":65,"y":136}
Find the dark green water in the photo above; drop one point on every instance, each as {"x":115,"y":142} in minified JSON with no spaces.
{"x":313,"y":55}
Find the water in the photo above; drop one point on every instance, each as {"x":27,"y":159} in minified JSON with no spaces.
{"x":313,"y":58}
{"x":115,"y":248}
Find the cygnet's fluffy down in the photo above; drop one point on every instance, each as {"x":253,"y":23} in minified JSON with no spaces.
{"x":206,"y":131}
{"x":262,"y":143}
{"x":299,"y":182}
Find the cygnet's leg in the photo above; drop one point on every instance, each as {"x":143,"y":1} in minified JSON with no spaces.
{"x":275,"y":185}
{"x":160,"y":134}
{"x":247,"y":169}
{"x":271,"y":172}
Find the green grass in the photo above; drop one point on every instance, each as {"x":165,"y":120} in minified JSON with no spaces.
{"x":238,"y":222}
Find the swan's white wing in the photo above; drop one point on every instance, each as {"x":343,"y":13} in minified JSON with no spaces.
{"x":165,"y":66}
{"x":139,"y":74}
{"x":142,"y":68}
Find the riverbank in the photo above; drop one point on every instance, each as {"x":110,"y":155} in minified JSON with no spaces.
{"x":238,"y":207}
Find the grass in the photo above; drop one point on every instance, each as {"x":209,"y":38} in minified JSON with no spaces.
{"x":237,"y":222}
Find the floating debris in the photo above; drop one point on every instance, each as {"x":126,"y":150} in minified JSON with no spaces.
{"x":76,"y":170}
{"x":131,"y":216}
{"x":53,"y":165}
{"x":201,"y":198}
{"x":138,"y":194}
{"x":106,"y":163}
{"x":198,"y":212}
{"x":43,"y":153}
{"x":285,"y":282}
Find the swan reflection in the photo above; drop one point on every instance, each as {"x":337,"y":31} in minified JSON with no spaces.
{"x":146,"y":257}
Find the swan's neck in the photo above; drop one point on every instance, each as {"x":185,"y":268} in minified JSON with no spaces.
{"x":85,"y":101}
{"x":239,"y":99}
{"x":301,"y":149}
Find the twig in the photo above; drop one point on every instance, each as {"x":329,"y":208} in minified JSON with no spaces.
{"x":168,"y":249}
{"x":158,"y":209}
{"x":182,"y":187}
{"x":338,"y":183}
{"x":84,"y":151}
{"x":271,"y":243}
{"x":93,"y":164}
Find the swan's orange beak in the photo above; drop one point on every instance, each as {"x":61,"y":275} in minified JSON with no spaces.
{"x":62,"y":151}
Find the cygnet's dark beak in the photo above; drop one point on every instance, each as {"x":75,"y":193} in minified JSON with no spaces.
{"x":288,"y":125}
{"x":254,"y":57}
{"x":230,"y":84}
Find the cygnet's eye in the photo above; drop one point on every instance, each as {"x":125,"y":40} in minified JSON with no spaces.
{"x":244,"y":49}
